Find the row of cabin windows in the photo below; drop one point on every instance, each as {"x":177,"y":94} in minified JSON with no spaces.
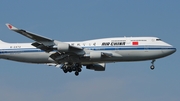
{"x":94,"y":44}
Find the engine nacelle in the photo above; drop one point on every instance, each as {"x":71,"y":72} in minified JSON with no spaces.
{"x":95,"y":55}
{"x":97,"y":67}
{"x":62,"y":47}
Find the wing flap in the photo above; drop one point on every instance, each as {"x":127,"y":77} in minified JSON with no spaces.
{"x":58,"y":56}
{"x":42,"y":47}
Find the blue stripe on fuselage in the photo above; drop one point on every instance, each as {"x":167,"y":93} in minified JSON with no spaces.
{"x":129,"y":48}
{"x":25,"y":50}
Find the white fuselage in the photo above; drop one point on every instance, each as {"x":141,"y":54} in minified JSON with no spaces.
{"x":121,"y":48}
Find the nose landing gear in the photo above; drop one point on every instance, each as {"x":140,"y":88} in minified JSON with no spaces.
{"x":152,"y":67}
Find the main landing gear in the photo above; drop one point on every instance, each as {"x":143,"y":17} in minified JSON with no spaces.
{"x":73,"y":67}
{"x":152,"y":67}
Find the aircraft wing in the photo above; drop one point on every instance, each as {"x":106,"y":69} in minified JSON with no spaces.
{"x":30,"y":35}
{"x":64,"y":51}
{"x":42,"y":42}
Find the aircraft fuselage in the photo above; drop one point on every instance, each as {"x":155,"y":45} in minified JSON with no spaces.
{"x":121,"y":49}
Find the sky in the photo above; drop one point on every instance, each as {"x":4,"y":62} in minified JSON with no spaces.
{"x":78,"y":20}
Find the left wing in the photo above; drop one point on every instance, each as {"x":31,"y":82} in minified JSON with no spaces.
{"x":46,"y":44}
{"x":30,"y":35}
{"x":41,"y":42}
{"x":64,"y":51}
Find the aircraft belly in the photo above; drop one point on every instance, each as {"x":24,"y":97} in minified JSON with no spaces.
{"x":138,"y":55}
{"x":129,"y":55}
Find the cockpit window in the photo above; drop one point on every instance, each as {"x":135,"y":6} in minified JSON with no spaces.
{"x":158,"y":39}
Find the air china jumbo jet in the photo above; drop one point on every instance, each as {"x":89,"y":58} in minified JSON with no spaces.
{"x":94,"y":54}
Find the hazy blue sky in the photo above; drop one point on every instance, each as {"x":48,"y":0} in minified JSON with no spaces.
{"x":78,"y":20}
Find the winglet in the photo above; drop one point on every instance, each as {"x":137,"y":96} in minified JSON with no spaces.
{"x":11,"y":27}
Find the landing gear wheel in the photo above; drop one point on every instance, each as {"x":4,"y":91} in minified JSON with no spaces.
{"x":73,"y":68}
{"x":65,"y":70}
{"x":152,"y":67}
{"x":76,"y":73}
{"x":79,"y":70}
{"x":69,"y":69}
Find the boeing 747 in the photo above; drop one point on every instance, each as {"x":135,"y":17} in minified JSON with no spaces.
{"x":92,"y":54}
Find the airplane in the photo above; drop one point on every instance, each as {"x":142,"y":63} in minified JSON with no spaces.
{"x":92,"y":54}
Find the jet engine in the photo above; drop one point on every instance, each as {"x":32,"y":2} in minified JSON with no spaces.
{"x":95,"y":55}
{"x":97,"y":67}
{"x":62,"y":47}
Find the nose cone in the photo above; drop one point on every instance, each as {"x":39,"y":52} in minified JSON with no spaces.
{"x":169,"y":51}
{"x":174,"y":50}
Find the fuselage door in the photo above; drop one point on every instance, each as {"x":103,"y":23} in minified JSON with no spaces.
{"x":146,"y":48}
